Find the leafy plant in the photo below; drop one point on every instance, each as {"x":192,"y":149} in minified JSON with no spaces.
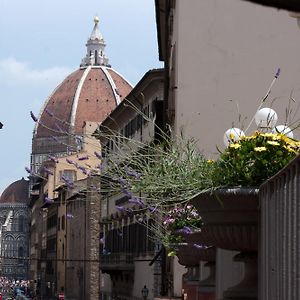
{"x":254,"y":159}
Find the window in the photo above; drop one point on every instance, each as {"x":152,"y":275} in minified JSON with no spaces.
{"x":68,"y":174}
{"x":21,"y":223}
{"x":63,"y":222}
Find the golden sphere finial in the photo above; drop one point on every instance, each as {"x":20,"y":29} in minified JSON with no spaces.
{"x":96,"y":19}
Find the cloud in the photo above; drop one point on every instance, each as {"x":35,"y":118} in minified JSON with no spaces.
{"x":16,"y":73}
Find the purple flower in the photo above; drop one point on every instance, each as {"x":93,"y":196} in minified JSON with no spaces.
{"x":101,"y":241}
{"x":187,"y":229}
{"x":133,"y":173}
{"x":55,"y":138}
{"x":48,"y":200}
{"x":122,"y":181}
{"x":48,"y":171}
{"x":98,"y":154}
{"x":82,"y":169}
{"x":127,"y":193}
{"x":53,"y":158}
{"x":69,"y":161}
{"x":120,"y":208}
{"x":68,"y":182}
{"x":69,"y":216}
{"x":83,"y":157}
{"x":277,"y":73}
{"x":33,"y":117}
{"x":59,"y":128}
{"x":200,"y":246}
{"x":152,"y":209}
{"x":28,"y":170}
{"x":49,"y":112}
{"x":135,"y":200}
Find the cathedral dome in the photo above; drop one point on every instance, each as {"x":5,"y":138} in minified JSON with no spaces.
{"x":88,"y":94}
{"x":17,"y":192}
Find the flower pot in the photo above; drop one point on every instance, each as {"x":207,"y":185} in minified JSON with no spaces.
{"x":230,"y":219}
{"x":190,"y":256}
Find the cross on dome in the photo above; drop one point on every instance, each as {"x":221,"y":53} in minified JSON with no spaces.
{"x":95,"y":45}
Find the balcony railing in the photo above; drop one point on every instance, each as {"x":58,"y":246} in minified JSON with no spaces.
{"x":116,"y":261}
{"x":280,"y":234}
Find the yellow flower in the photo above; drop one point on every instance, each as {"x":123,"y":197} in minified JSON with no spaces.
{"x":260,"y":149}
{"x":290,"y":149}
{"x":268,"y":134}
{"x":235,"y":146}
{"x":231,"y":136}
{"x":210,"y":161}
{"x":273,"y":143}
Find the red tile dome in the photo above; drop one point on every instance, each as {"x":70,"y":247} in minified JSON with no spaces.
{"x":17,"y":192}
{"x":88,"y":94}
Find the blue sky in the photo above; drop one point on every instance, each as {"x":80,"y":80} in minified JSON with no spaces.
{"x":43,"y":41}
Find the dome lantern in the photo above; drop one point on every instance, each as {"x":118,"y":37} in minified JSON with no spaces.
{"x":95,"y":46}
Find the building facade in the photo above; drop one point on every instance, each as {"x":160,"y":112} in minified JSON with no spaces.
{"x":15,"y":231}
{"x":128,"y":260}
{"x":220,"y":58}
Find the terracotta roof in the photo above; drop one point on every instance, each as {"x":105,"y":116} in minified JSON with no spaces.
{"x":88,"y":94}
{"x":17,"y":192}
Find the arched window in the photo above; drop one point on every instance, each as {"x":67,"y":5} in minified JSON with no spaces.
{"x":21,"y":223}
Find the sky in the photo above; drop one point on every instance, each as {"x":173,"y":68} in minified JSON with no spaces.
{"x":41,"y":42}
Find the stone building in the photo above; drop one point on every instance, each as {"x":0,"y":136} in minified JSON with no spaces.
{"x":127,"y":261}
{"x":220,"y":58}
{"x":14,"y":232}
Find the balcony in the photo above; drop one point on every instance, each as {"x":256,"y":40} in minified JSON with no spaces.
{"x":116,"y":262}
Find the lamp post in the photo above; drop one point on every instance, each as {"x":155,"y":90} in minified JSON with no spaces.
{"x":145,"y":292}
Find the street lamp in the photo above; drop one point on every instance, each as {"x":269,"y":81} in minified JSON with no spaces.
{"x":145,"y":292}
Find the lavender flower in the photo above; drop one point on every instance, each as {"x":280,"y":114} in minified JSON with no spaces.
{"x":127,"y":193}
{"x":98,"y":154}
{"x":55,"y":138}
{"x":200,"y":246}
{"x":134,"y":200}
{"x":49,"y":113}
{"x":133,"y":173}
{"x":83,"y":157}
{"x":48,"y":171}
{"x":69,"y":161}
{"x":68,"y":182}
{"x":152,"y":209}
{"x":122,"y":181}
{"x":48,"y":200}
{"x":277,"y":73}
{"x":53,"y":158}
{"x":120,"y":208}
{"x":28,"y":170}
{"x":82,"y":169}
{"x":69,"y":216}
{"x":59,"y":128}
{"x":33,"y":117}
